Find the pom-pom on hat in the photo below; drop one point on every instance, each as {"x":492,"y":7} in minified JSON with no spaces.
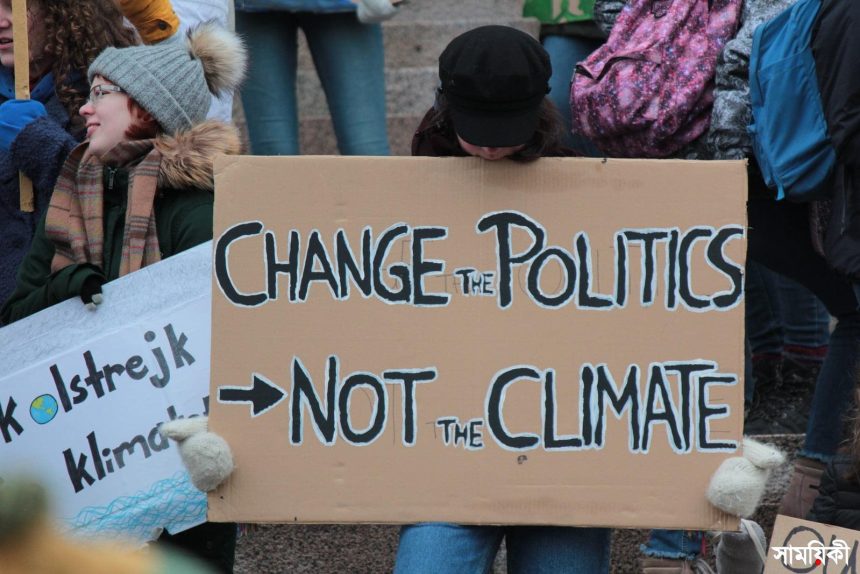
{"x":175,"y":80}
{"x":494,"y":79}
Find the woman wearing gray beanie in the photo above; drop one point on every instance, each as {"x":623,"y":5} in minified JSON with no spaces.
{"x":139,"y":189}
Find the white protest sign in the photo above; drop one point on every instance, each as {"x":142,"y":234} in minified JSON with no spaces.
{"x":82,"y":394}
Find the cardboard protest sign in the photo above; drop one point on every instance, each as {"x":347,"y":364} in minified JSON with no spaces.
{"x":82,"y":394}
{"x":803,"y":546}
{"x":411,"y":339}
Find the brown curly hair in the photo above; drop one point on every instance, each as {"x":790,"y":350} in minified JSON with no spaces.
{"x":76,"y":32}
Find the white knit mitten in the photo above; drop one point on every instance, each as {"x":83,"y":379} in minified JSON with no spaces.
{"x":205,"y":454}
{"x":372,"y":11}
{"x":739,"y":483}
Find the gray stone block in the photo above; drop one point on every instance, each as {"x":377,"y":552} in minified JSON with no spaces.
{"x":408,"y":91}
{"x":317,"y":135}
{"x":419,"y":43}
{"x":459,"y":10}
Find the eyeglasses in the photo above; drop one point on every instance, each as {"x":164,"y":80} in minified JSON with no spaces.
{"x":99,"y":91}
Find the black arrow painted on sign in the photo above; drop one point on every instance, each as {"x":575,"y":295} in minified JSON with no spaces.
{"x":262,"y":395}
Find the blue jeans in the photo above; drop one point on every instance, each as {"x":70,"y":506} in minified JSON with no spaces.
{"x":349,"y":60}
{"x":564,"y":53}
{"x":442,"y":548}
{"x":782,"y":316}
{"x":686,"y":544}
{"x":779,"y":238}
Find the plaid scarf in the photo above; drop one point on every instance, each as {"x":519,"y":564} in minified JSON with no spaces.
{"x":75,"y":218}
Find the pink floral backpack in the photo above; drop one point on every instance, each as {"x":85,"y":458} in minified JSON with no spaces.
{"x":648,"y":91}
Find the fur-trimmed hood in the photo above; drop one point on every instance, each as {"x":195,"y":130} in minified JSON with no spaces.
{"x":187,"y":156}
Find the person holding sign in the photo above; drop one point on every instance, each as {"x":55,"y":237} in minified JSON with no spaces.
{"x":37,"y":134}
{"x":492,"y":104}
{"x":140,"y":188}
{"x":530,"y":125}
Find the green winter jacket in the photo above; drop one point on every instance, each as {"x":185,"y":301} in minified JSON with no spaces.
{"x":183,"y":219}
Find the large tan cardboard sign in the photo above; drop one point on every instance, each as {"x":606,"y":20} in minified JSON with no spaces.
{"x":803,"y":546}
{"x":412,"y":339}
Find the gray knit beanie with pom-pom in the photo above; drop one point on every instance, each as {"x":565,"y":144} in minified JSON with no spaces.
{"x":175,"y":80}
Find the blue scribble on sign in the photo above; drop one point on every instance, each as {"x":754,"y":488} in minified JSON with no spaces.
{"x":172,"y":504}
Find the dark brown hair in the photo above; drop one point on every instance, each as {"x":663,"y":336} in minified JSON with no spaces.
{"x":545,"y":142}
{"x":76,"y":32}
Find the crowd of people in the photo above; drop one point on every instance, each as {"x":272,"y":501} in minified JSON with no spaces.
{"x":116,"y":141}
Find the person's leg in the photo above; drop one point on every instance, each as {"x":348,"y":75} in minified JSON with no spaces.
{"x":806,"y":324}
{"x":749,"y":382}
{"x":680,"y":544}
{"x":805,"y":321}
{"x":834,"y":391}
{"x":269,"y":92}
{"x":762,"y":311}
{"x":806,"y":328}
{"x":443,"y":548}
{"x":764,"y":333}
{"x":742,"y":551}
{"x":671,"y":551}
{"x":551,"y":549}
{"x":779,"y":238}
{"x":564,"y":53}
{"x":350,"y":62}
{"x":212,"y":542}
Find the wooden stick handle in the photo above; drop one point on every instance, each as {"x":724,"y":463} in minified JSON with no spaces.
{"x":21,"y":45}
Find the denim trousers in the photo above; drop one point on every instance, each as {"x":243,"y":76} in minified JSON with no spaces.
{"x":442,"y":548}
{"x":779,"y":238}
{"x":564,"y":53}
{"x":782,"y":316}
{"x":674,"y":544}
{"x":349,"y":61}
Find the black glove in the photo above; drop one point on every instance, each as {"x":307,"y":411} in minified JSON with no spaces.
{"x":91,"y":291}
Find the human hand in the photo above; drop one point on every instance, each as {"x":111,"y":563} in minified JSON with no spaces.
{"x":91,"y":291}
{"x":206,"y":455}
{"x":372,"y":11}
{"x":739,"y":483}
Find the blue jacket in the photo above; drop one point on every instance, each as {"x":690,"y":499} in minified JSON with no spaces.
{"x":38,"y":151}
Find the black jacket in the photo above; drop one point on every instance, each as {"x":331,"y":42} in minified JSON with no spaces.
{"x":835,"y":45}
{"x":838,"y":501}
